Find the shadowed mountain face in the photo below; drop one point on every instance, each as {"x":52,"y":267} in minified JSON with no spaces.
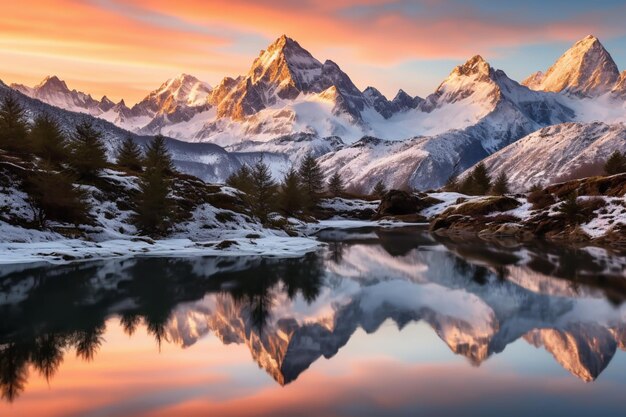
{"x":291,"y":312}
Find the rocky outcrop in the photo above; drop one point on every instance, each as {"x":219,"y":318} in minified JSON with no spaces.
{"x":597,"y":214}
{"x":404,"y":205}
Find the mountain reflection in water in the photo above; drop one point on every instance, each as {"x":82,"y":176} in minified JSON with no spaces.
{"x":478,"y":298}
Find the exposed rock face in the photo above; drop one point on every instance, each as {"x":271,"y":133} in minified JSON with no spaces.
{"x":184,"y":91}
{"x":586,"y":69}
{"x":402,"y":101}
{"x":620,"y":87}
{"x":282,"y":72}
{"x":584,"y":350}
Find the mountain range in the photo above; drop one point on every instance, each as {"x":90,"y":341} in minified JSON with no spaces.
{"x":290,"y":103}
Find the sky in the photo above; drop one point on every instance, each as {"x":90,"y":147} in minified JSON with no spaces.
{"x":126,"y":48}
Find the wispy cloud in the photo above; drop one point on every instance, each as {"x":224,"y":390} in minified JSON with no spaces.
{"x":155,"y":39}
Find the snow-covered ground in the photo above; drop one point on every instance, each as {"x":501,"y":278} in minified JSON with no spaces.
{"x":72,"y":250}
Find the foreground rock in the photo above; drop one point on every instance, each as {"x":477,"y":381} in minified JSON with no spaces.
{"x":597,"y":217}
{"x":404,"y":206}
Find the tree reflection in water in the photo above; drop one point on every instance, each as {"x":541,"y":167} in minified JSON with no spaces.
{"x":50,"y":311}
{"x":65,"y":314}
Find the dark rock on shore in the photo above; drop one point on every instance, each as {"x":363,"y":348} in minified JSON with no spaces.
{"x":402,"y":205}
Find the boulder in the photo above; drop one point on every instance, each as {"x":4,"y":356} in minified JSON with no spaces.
{"x":401,"y":203}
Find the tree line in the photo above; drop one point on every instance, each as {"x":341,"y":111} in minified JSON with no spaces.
{"x":62,"y":162}
{"x":479,"y":182}
{"x":297,"y":194}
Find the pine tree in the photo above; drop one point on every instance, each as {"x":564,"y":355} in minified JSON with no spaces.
{"x":13,"y":126}
{"x":88,"y":154}
{"x":154,"y":208}
{"x":48,"y":140}
{"x":335,"y":185}
{"x":241,"y":179}
{"x":158,"y":156}
{"x":312,"y":181}
{"x":263,"y":193}
{"x":290,"y":198}
{"x":52,"y":196}
{"x":129,"y":155}
{"x":482,"y":182}
{"x":379,"y":189}
{"x":616,"y":164}
{"x":570,"y":209}
{"x":501,"y":185}
{"x":477,"y":182}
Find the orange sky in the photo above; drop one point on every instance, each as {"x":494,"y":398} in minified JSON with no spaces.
{"x":125,"y":48}
{"x":129,"y":376}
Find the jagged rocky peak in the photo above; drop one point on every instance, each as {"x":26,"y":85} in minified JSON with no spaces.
{"x":586,"y":69}
{"x":106,"y":104}
{"x":184,"y":88}
{"x":52,"y":83}
{"x":474,"y":79}
{"x":378,"y":101}
{"x":282,"y":72}
{"x":474,"y":66}
{"x":286,"y":62}
{"x":404,"y":101}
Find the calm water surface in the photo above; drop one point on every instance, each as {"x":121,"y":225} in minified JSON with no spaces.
{"x":381,"y":323}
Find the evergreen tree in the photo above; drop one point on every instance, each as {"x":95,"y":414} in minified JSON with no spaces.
{"x":570,"y":209}
{"x":290,"y":198}
{"x":52,"y":196}
{"x":482,"y":182}
{"x":129,"y":155}
{"x":154,"y":208}
{"x":379,"y":189}
{"x":335,"y":185}
{"x":48,"y":140}
{"x":263,"y":193}
{"x":241,"y":179}
{"x":88,"y":154}
{"x":477,"y":182}
{"x":501,"y":184}
{"x":158,"y":156}
{"x":13,"y":126}
{"x":312,"y":181}
{"x":616,"y":164}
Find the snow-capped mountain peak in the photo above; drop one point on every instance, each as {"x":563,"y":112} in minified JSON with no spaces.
{"x":286,"y":62}
{"x":473,"y":81}
{"x":475,"y":65}
{"x":55,"y":91}
{"x":184,"y":89}
{"x":586,"y":69}
{"x":282,"y":72}
{"x":52,"y":84}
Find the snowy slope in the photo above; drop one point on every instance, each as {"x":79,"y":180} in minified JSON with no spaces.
{"x":489,"y":111}
{"x":557,"y":152}
{"x":208,"y":161}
